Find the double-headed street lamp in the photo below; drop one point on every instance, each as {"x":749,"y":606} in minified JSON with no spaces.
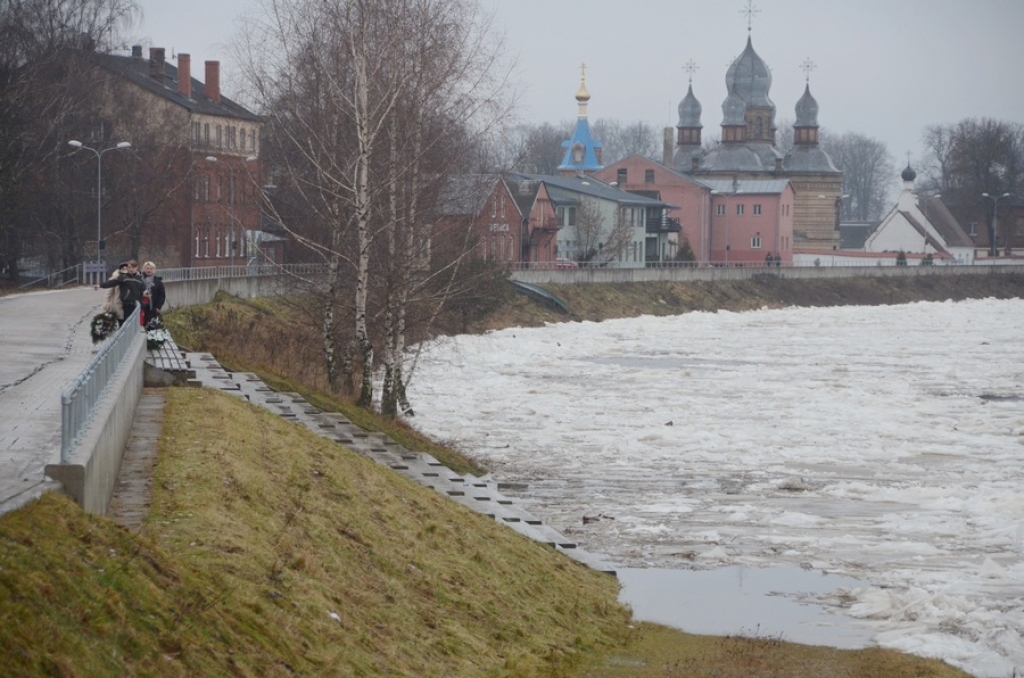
{"x":993,"y":246}
{"x":99,"y":186}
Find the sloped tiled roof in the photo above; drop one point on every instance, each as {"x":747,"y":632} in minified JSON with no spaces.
{"x":749,"y":186}
{"x":136,"y":70}
{"x":944,"y":222}
{"x":564,"y":188}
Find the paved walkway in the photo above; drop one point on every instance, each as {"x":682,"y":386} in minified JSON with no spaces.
{"x":45,"y":341}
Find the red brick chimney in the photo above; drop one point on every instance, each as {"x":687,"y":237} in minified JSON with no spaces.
{"x":212,"y":91}
{"x":185,"y":75}
{"x":156,"y":63}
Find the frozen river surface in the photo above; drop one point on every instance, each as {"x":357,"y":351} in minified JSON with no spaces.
{"x":879,"y":443}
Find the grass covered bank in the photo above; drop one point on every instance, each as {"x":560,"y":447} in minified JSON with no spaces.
{"x":270,"y":551}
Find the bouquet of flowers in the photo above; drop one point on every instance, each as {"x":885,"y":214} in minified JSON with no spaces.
{"x":103,"y":325}
{"x":155,"y":339}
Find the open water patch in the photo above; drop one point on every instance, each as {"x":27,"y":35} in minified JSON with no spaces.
{"x":787,"y":603}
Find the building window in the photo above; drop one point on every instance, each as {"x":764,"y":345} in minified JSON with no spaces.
{"x":206,"y":134}
{"x":649,"y":176}
{"x":621,"y":175}
{"x":739,"y":210}
{"x":577,"y":154}
{"x":220,"y":137}
{"x":721,"y":210}
{"x":196,"y":133}
{"x":757,"y":209}
{"x":974,"y":228}
{"x":232,"y":137}
{"x":755,"y":242}
{"x":252,"y":140}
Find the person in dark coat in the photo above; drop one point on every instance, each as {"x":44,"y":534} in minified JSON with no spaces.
{"x":154,"y":295}
{"x":130,"y":287}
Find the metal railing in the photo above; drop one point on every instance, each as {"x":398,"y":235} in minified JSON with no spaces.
{"x":79,"y":400}
{"x":239,"y":271}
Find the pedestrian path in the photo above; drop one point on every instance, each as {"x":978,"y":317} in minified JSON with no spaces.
{"x":480,"y":495}
{"x":46,"y":344}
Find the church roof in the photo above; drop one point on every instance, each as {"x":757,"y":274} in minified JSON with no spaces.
{"x":734,"y":108}
{"x":806,"y":110}
{"x":750,"y":76}
{"x":944,"y":222}
{"x":584,"y":140}
{"x":727,"y":158}
{"x":689,"y":110}
{"x":747,"y":186}
{"x":809,"y":160}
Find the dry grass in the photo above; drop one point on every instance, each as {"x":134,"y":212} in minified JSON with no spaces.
{"x":270,"y":551}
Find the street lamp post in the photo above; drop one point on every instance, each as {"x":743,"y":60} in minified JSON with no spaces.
{"x":99,"y":186}
{"x":993,"y":246}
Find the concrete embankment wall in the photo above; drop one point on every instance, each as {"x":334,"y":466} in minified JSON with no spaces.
{"x":196,"y":292}
{"x":90,"y":474}
{"x":710,"y":274}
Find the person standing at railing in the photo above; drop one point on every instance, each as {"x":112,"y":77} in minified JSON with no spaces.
{"x":154,"y":295}
{"x":113,"y":303}
{"x":130,"y":288}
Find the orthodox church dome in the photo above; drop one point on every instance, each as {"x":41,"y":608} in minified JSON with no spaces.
{"x":734,"y":109}
{"x":689,"y":110}
{"x":908,"y":174}
{"x":807,"y":110}
{"x":750,"y":76}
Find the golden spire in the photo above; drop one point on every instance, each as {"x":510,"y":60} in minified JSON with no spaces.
{"x":583,"y":96}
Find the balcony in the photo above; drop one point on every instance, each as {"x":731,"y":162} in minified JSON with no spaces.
{"x":663,"y":225}
{"x":547,"y":225}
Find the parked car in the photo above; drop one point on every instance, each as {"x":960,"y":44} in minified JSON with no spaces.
{"x":565,"y":263}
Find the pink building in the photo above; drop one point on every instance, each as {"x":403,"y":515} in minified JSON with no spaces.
{"x":750,"y":221}
{"x":689,"y":197}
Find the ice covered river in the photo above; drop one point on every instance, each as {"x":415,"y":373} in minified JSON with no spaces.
{"x":883,"y":446}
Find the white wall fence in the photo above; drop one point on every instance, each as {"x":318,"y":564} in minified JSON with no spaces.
{"x":715,"y":273}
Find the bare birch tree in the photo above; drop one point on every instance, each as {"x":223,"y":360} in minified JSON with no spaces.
{"x":367,"y":101}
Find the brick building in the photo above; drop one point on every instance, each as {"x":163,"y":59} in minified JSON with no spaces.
{"x":200,"y":206}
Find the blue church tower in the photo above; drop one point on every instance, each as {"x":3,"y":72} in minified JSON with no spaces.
{"x":582,"y":151}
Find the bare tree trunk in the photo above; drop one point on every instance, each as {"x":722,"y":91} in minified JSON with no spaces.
{"x":362,"y":217}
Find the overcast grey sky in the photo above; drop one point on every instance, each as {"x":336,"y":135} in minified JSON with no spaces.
{"x":884,"y":68}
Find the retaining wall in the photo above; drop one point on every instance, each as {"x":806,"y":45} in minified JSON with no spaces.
{"x":90,"y":474}
{"x":715,"y":273}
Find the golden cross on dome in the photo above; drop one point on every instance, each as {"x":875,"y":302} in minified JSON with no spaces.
{"x":807,"y":66}
{"x":691,"y":68}
{"x":583,"y":71}
{"x":750,"y":10}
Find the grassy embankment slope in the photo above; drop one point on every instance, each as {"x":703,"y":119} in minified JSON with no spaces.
{"x":271,"y":551}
